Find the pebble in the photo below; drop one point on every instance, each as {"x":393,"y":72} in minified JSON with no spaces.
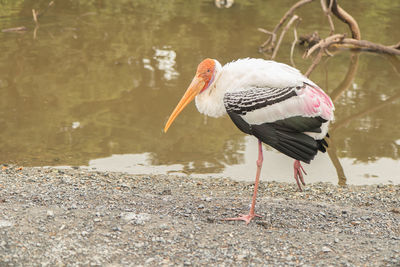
{"x":5,"y":223}
{"x":140,"y":218}
{"x":50,"y":213}
{"x":326,"y":249}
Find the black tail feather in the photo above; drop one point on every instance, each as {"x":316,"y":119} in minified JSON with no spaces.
{"x":287,"y":135}
{"x":322,"y":144}
{"x":295,"y":145}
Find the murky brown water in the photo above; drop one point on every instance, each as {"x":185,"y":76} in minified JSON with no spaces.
{"x":94,"y":84}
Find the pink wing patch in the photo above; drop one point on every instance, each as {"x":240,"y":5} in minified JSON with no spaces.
{"x":317,"y":102}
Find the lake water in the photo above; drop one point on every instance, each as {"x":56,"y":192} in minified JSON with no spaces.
{"x":94,"y":83}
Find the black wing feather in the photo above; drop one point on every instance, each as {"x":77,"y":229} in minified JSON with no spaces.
{"x":295,"y":145}
{"x":286,"y":135}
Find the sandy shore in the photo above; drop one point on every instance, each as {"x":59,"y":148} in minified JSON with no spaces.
{"x":73,"y":217}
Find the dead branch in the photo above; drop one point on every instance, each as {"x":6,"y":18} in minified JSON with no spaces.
{"x":396,"y":46}
{"x":315,"y":63}
{"x":315,"y":42}
{"x":293,"y":19}
{"x":39,"y":14}
{"x":15,"y":29}
{"x":309,"y":39}
{"x":294,"y":42}
{"x":34,"y":14}
{"x":323,"y":46}
{"x":370,"y":46}
{"x":324,"y":43}
{"x":341,"y":14}
{"x":272,"y":37}
{"x":327,"y":11}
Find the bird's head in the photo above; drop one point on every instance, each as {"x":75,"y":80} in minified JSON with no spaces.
{"x":205,"y":75}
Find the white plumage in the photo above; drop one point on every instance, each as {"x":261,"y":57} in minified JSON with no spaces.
{"x":244,"y":74}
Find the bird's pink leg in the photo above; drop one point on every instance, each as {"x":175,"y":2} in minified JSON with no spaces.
{"x":298,"y":173}
{"x":247,"y":218}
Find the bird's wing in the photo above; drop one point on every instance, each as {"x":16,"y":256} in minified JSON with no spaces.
{"x":283,"y":117}
{"x":259,"y":105}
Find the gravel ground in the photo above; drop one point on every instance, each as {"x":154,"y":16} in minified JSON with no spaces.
{"x":54,"y":217}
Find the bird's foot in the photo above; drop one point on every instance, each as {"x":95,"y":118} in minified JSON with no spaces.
{"x":298,"y":174}
{"x":247,"y":218}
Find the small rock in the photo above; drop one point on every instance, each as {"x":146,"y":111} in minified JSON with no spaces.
{"x":163,"y":226}
{"x":50,"y":214}
{"x":166,"y":192}
{"x":117,"y":229}
{"x":140,"y":218}
{"x":5,"y":223}
{"x":326,"y":249}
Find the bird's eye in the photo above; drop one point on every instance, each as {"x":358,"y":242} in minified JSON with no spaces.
{"x":208,"y":70}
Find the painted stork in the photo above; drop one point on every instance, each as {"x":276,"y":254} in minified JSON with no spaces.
{"x":269,"y":100}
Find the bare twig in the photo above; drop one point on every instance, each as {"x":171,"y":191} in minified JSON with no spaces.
{"x":396,"y":46}
{"x":289,"y":13}
{"x":294,"y":42}
{"x":311,"y":39}
{"x":370,"y":46}
{"x":341,"y":14}
{"x":324,"y":43}
{"x":315,"y":63}
{"x":327,"y":11}
{"x":264,"y":31}
{"x":39,"y":14}
{"x":34,"y":14}
{"x":329,"y":7}
{"x":15,"y":29}
{"x":273,"y":36}
{"x":293,"y":19}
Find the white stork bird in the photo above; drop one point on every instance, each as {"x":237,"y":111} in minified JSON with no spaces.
{"x":270,"y":100}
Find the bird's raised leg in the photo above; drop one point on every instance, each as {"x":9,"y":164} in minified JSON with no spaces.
{"x":247,"y":218}
{"x":298,"y":173}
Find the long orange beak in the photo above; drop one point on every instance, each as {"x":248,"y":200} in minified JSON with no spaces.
{"x":194,"y":89}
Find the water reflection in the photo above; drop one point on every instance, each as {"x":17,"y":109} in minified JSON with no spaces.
{"x":96,"y":84}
